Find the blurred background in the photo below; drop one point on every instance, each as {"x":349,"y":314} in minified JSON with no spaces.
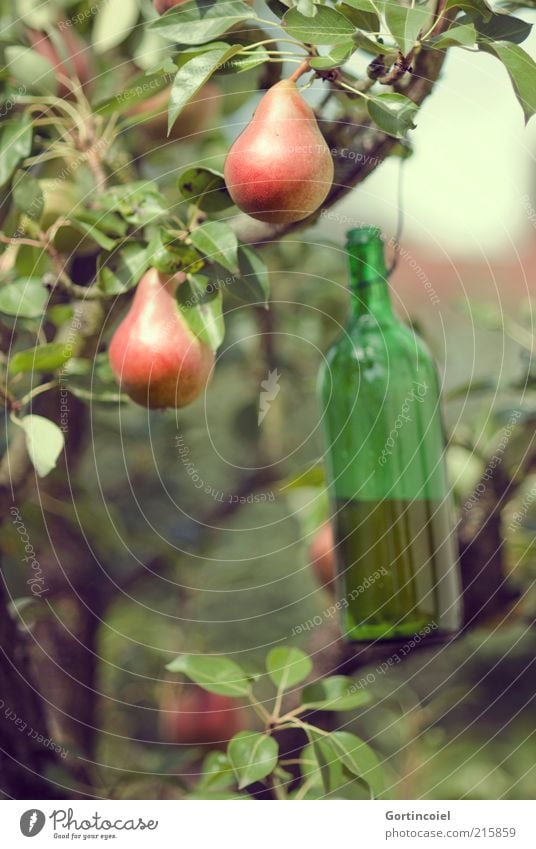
{"x":205,"y":531}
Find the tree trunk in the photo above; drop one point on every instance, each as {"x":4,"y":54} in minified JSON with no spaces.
{"x":24,"y":760}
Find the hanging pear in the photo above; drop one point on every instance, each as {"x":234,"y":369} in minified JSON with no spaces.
{"x":155,"y":357}
{"x":280,"y":169}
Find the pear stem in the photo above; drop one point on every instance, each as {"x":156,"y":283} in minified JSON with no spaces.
{"x":302,"y":68}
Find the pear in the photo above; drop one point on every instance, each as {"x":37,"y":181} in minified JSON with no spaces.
{"x":191,"y":716}
{"x":280,"y":169}
{"x":155,"y":357}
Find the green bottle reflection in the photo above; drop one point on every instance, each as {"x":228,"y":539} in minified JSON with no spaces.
{"x":395,"y":540}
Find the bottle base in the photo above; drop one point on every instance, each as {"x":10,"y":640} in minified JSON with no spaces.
{"x":412,"y":638}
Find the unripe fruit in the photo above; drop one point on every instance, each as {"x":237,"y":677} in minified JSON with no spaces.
{"x":322,"y":557}
{"x":280,"y":169}
{"x":73,"y":60}
{"x":194,"y":717}
{"x":156,"y":358}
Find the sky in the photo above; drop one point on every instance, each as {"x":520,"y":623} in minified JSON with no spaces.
{"x":468,"y":182}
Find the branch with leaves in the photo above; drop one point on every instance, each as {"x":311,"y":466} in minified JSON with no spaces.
{"x":334,"y":764}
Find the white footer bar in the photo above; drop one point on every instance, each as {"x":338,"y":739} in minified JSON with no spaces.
{"x":269,"y":825}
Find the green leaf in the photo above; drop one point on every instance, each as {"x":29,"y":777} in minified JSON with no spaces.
{"x":405,"y":23}
{"x":15,"y":145}
{"x":479,"y":8}
{"x":393,"y":113}
{"x":521,"y":70}
{"x":252,"y":285}
{"x":288,"y":666}
{"x":44,"y":442}
{"x":139,"y":89}
{"x":206,"y":188}
{"x":338,"y":757}
{"x":464,"y":34}
{"x":307,"y":7}
{"x":218,"y":243}
{"x":139,"y":203}
{"x":322,"y":768}
{"x":37,"y":15}
{"x":31,"y":262}
{"x":334,"y":693}
{"x":358,"y":757}
{"x":35,"y":73}
{"x":215,"y":674}
{"x":252,"y":756}
{"x":28,"y":195}
{"x":374,"y":48}
{"x":106,"y":397}
{"x":217,"y":772}
{"x":193,"y":74}
{"x":201,"y":23}
{"x":169,"y":254}
{"x":203,"y":312}
{"x":362,"y":14}
{"x":26,"y":298}
{"x":47,"y":357}
{"x":114,"y":21}
{"x":60,"y":314}
{"x":327,"y":27}
{"x":501,"y":27}
{"x":337,"y":56}
{"x":246,"y":61}
{"x":124,"y":269}
{"x":97,"y":235}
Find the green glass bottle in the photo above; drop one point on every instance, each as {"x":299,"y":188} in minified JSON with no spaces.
{"x":395,"y":540}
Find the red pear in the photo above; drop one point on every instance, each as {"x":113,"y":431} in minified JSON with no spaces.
{"x":280,"y":169}
{"x":154,"y":355}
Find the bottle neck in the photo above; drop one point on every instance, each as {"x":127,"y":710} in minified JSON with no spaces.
{"x":368,"y":275}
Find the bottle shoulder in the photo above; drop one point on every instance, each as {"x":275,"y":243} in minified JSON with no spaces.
{"x":388,"y":354}
{"x":381,"y":337}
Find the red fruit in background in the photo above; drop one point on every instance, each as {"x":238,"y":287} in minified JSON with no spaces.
{"x":73,"y":60}
{"x":156,"y":358}
{"x":280,"y":169}
{"x":322,"y":557}
{"x":194,"y":717}
{"x":197,"y":115}
{"x":162,"y":6}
